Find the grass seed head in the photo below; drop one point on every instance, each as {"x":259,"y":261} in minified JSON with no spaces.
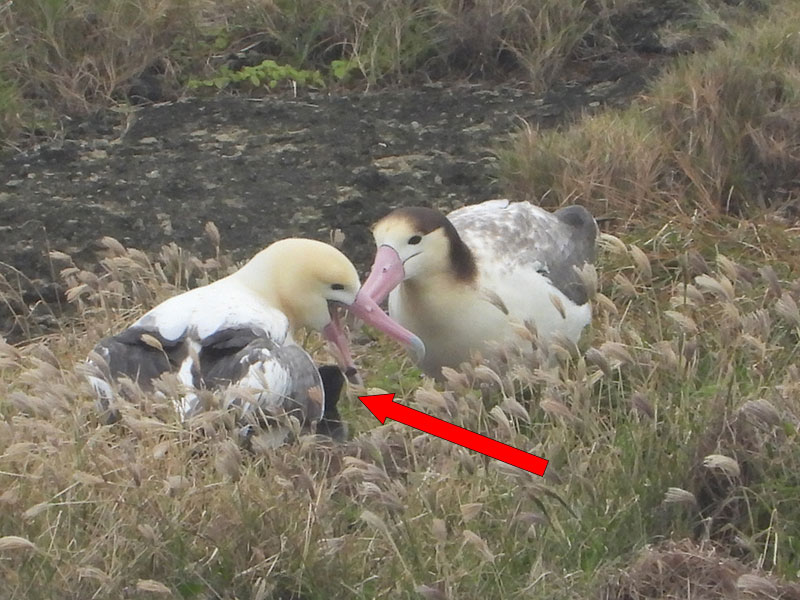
{"x":589,"y":279}
{"x":606,"y":304}
{"x":729,"y":268}
{"x":616,"y":353}
{"x":153,"y":587}
{"x":212,"y":233}
{"x":176,"y":483}
{"x":721,"y":287}
{"x":477,"y":542}
{"x":439,"y":530}
{"x":337,"y":238}
{"x":787,"y":308}
{"x":148,"y":532}
{"x":723,"y":463}
{"x":455,"y":380}
{"x":499,"y":417}
{"x":430,"y":593}
{"x":35,"y":510}
{"x":113,"y":246}
{"x":643,"y":265}
{"x":87,"y":479}
{"x":14,"y":543}
{"x":514,"y":408}
{"x":60,"y":256}
{"x":762,"y":411}
{"x":556,"y":408}
{"x":756,"y":345}
{"x":770,"y":277}
{"x":611,"y":243}
{"x":374,"y":521}
{"x":755,"y":585}
{"x":757,"y":323}
{"x":228,"y":460}
{"x":642,"y":405}
{"x":686,"y":323}
{"x":676,"y":495}
{"x":695,"y":295}
{"x":625,"y":286}
{"x":92,"y":573}
{"x":556,"y":302}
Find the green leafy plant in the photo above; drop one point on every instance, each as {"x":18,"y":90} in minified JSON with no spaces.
{"x":343,"y":69}
{"x":268,"y":73}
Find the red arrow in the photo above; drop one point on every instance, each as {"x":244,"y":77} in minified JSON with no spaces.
{"x":383,"y":406}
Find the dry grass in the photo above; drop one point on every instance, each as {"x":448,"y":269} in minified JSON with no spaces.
{"x":69,"y":58}
{"x":680,"y":419}
{"x":673,"y":433}
{"x":688,"y":570}
{"x":718,"y":132}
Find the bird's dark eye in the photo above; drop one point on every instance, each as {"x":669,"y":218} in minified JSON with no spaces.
{"x":414,"y":240}
{"x":337,"y":286}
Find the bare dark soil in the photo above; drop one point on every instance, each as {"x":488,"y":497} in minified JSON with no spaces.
{"x":264,"y":169}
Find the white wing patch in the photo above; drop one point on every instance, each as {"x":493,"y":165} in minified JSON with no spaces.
{"x":269,"y":381}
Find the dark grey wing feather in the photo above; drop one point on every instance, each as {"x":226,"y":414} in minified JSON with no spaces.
{"x":226,"y":355}
{"x":283,"y":377}
{"x":128,"y":354}
{"x":291,"y":379}
{"x":306,"y":391}
{"x":580,"y":228}
{"x":517,"y":234}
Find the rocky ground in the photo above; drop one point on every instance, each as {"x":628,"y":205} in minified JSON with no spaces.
{"x":263,"y":169}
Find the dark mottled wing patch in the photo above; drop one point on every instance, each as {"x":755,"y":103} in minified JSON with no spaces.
{"x":224,"y":358}
{"x":581,"y":230}
{"x":229,"y":358}
{"x":226,"y":355}
{"x":306,"y":391}
{"x":518,"y":234}
{"x":129,"y":354}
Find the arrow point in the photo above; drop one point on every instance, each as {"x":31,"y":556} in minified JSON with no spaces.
{"x":379,"y":405}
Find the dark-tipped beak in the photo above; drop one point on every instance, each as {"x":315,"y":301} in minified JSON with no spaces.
{"x":366,"y":309}
{"x":340,"y":345}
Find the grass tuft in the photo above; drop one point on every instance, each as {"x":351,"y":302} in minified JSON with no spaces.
{"x":717,"y":132}
{"x":677,"y":421}
{"x":70,"y":58}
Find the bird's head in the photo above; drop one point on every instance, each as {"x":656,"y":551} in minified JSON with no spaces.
{"x":311,"y":282}
{"x":415,"y":243}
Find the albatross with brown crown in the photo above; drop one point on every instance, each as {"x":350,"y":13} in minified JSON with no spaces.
{"x":460,"y":281}
{"x":238,"y":331}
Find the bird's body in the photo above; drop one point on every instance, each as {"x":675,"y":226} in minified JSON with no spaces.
{"x":214,"y":336}
{"x":236,"y":335}
{"x":465,"y":282}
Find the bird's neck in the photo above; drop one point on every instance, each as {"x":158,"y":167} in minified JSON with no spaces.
{"x":437,"y":292}
{"x":462,"y":264}
{"x":256,"y":278}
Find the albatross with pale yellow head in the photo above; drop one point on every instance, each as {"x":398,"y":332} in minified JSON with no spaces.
{"x":239,"y":331}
